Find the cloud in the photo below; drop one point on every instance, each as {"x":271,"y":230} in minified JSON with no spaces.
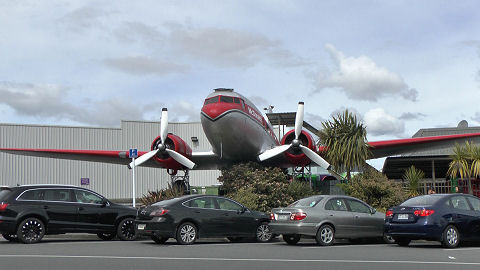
{"x":140,"y":65}
{"x":378,"y":122}
{"x":217,"y":46}
{"x":411,"y":116}
{"x":50,"y":101}
{"x":476,"y":117}
{"x":184,"y":112}
{"x":82,"y":19}
{"x":361,"y":79}
{"x":314,"y":120}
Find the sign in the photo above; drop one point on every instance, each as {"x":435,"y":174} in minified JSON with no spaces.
{"x":133,"y":153}
{"x":84,"y":181}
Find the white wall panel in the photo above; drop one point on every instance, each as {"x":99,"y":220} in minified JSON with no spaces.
{"x":111,"y":180}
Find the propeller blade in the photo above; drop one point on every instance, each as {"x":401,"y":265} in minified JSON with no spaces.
{"x":164,"y":125}
{"x":299,"y":119}
{"x":315,"y":157}
{"x":142,"y":158}
{"x":273,"y":152}
{"x":181,"y":159}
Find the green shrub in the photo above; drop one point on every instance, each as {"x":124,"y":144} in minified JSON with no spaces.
{"x":163,"y":194}
{"x":261,"y":188}
{"x":376,"y":189}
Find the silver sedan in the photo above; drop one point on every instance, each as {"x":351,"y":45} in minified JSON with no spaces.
{"x":327,"y":217}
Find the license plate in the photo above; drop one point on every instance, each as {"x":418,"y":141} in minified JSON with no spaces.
{"x":402,"y":216}
{"x":283,"y":217}
{"x":141,"y":226}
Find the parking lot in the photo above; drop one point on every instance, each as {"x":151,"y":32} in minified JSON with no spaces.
{"x":87,"y":252}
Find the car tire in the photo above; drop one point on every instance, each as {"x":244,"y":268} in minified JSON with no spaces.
{"x":10,"y":237}
{"x":403,"y":242}
{"x":450,"y":237}
{"x":187,"y":233}
{"x":158,"y":239}
{"x":106,"y":236}
{"x":388,"y":239}
{"x":325,"y":235}
{"x":263,"y":233}
{"x":30,"y":231}
{"x":291,"y":239}
{"x":126,"y":230}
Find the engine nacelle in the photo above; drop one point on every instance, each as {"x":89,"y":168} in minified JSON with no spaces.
{"x":172,"y":142}
{"x":294,"y":155}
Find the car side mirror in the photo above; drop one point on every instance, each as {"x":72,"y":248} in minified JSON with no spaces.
{"x":105,"y":203}
{"x":373,"y":210}
{"x":243,"y":210}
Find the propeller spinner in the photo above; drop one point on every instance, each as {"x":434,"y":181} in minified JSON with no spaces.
{"x":162,"y":148}
{"x":296,"y":144}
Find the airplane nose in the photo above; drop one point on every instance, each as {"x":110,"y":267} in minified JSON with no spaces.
{"x":212,"y":111}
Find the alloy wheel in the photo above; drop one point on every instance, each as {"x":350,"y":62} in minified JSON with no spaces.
{"x":264,"y":234}
{"x":126,"y":230}
{"x":31,"y":231}
{"x":187,"y":234}
{"x":325,"y":235}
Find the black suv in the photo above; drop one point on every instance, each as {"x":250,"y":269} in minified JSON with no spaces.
{"x":27,"y":213}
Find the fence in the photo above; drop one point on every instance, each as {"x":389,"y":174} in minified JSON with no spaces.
{"x":446,"y":186}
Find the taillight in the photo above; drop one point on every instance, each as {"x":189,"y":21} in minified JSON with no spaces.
{"x":298,"y":216}
{"x":423,"y":212}
{"x":272,"y":216}
{"x":158,"y":212}
{"x":389,"y":214}
{"x":3,"y":206}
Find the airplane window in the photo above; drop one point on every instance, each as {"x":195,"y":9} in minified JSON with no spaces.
{"x":226,"y":99}
{"x":237,"y":100}
{"x":211,"y":100}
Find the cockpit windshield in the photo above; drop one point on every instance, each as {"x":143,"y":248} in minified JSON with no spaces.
{"x":211,"y":100}
{"x":226,"y":99}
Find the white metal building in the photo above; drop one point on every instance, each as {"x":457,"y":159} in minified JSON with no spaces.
{"x":111,"y":180}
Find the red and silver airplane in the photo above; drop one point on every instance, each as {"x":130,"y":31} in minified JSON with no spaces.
{"x":237,"y":132}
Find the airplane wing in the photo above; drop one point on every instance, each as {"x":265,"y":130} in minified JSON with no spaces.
{"x":203,"y":160}
{"x":402,"y":146}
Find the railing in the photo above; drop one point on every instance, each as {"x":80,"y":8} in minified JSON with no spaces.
{"x":445,"y":186}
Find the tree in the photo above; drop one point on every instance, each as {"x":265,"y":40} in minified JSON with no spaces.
{"x":412,"y":175}
{"x":345,"y":142}
{"x":465,"y":162}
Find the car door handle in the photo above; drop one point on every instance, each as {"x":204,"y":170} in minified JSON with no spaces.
{"x":226,"y":214}
{"x":356,"y":216}
{"x":45,"y":207}
{"x":197,"y":212}
{"x":81,"y":208}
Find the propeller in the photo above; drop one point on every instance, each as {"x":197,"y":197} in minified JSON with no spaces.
{"x":163,"y":148}
{"x":296,"y":144}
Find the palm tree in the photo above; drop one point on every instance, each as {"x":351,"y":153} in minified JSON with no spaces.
{"x":475,"y":158}
{"x":412,"y":175}
{"x":460,"y":163}
{"x":345,"y":142}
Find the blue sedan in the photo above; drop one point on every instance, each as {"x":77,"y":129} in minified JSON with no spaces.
{"x":448,"y":218}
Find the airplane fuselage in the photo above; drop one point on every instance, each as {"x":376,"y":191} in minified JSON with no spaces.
{"x":235,"y":127}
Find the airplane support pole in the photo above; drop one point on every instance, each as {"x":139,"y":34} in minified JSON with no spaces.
{"x":133,"y":183}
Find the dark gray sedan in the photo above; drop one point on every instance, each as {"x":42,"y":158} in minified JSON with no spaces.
{"x":327,"y":217}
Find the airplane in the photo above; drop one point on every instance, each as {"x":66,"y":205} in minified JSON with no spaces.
{"x":237,"y":132}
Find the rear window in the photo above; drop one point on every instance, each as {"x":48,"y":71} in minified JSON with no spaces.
{"x":168,"y":202}
{"x":427,"y":200}
{"x":306,"y":202}
{"x":4,"y":194}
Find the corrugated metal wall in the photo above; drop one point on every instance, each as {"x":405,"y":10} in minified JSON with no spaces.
{"x":111,"y":180}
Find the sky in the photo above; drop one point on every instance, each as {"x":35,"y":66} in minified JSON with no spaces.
{"x":398,"y":65}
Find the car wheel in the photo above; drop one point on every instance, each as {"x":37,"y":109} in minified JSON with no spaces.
{"x":388,"y":239}
{"x":291,"y":239}
{"x":106,"y":236}
{"x":158,"y":239}
{"x":402,"y":242}
{"x":325,"y":235}
{"x":263,"y":234}
{"x":30,"y":230}
{"x":186,"y":233}
{"x":10,"y":237}
{"x":450,"y":237}
{"x":126,"y":230}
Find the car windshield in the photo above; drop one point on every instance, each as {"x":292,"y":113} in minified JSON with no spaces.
{"x":306,"y":202}
{"x":427,"y":200}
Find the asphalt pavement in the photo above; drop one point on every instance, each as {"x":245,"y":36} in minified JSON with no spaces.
{"x":87,"y":252}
